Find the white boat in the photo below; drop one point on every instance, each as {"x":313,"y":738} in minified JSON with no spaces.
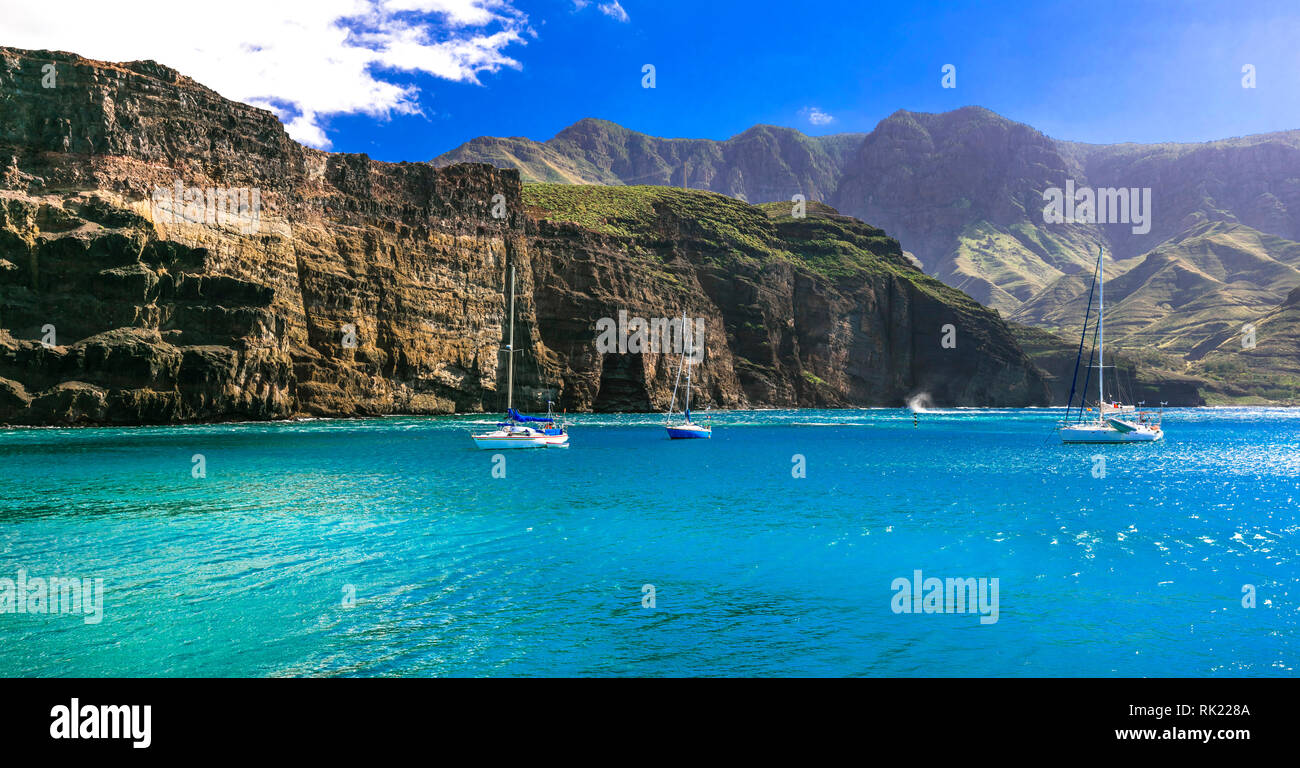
{"x":1116,"y":422}
{"x":518,"y":430}
{"x":509,"y":435}
{"x":1111,"y":431}
{"x":685,"y":429}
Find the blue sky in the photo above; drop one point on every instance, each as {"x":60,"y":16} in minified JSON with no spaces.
{"x":1096,"y":71}
{"x":410,"y":79}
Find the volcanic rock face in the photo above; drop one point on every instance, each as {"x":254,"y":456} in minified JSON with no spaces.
{"x":1207,"y":232}
{"x":962,"y":190}
{"x":820,"y":310}
{"x":163,"y":315}
{"x":130,"y":293}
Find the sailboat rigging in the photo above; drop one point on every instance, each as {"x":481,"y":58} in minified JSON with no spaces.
{"x":685,"y":429}
{"x":517,"y":430}
{"x":1116,"y":422}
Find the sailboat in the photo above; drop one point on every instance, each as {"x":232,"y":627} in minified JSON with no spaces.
{"x":685,"y":429}
{"x":1116,"y":422}
{"x":518,"y":430}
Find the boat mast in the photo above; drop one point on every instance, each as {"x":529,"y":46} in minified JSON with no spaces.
{"x":688,"y":371}
{"x":688,"y":392}
{"x":673,"y":403}
{"x":1101,"y":336}
{"x":681,"y":364}
{"x":510,"y":348}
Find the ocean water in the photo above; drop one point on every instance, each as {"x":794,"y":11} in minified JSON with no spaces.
{"x":388,"y":547}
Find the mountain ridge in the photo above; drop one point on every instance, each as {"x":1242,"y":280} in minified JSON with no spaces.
{"x":368,"y":288}
{"x":598,"y":151}
{"x":972,"y":212}
{"x":964,"y":193}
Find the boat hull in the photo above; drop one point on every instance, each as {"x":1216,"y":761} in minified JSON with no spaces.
{"x":510,"y":442}
{"x":1107,"y":434}
{"x":689,"y":432}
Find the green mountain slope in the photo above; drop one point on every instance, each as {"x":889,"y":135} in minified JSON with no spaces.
{"x":1211,"y":278}
{"x":1133,"y":380}
{"x":1268,"y":372}
{"x":762,"y":164}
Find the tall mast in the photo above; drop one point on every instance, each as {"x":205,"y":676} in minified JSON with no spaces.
{"x":688,"y":390}
{"x":1101,"y":336}
{"x":510,"y":348}
{"x":688,"y":368}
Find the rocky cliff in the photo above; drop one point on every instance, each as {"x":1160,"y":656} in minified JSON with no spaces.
{"x":815,"y":310}
{"x":167,"y":255}
{"x":963,"y":192}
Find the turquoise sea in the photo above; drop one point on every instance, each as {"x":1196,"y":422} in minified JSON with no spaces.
{"x":388,"y":547}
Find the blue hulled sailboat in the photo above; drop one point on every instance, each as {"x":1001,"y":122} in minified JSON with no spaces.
{"x":685,"y":429}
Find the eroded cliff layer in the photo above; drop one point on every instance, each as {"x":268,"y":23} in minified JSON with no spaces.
{"x":816,"y":309}
{"x":168,"y":255}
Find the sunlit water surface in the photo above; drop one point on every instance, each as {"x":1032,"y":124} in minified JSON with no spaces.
{"x":388,"y":547}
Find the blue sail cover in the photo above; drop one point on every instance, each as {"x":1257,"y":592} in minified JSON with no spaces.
{"x":517,"y":416}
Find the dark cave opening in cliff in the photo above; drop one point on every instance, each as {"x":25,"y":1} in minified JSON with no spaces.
{"x":622,"y":385}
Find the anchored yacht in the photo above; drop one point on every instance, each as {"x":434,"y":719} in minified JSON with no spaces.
{"x":1116,"y":422}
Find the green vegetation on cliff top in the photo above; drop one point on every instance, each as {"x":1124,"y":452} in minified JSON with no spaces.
{"x":723,"y":229}
{"x":638,"y":212}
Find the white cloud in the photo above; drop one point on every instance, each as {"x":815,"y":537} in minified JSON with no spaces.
{"x":305,"y":61}
{"x":614,"y":11}
{"x":816,"y":116}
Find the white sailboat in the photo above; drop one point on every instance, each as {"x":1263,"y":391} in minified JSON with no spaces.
{"x":516,"y":431}
{"x":685,"y":429}
{"x":1116,"y":422}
